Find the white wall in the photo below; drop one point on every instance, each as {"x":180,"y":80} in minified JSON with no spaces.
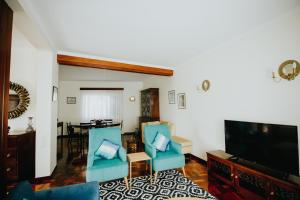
{"x":34,"y":66}
{"x":46,"y":114}
{"x":71,"y":112}
{"x":23,"y":72}
{"x":241,"y":85}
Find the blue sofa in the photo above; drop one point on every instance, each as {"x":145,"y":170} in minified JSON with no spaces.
{"x":102,"y":170}
{"x":86,"y":191}
{"x":171,"y":159}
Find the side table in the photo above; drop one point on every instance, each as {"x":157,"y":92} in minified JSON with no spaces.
{"x":185,"y":143}
{"x":136,"y":157}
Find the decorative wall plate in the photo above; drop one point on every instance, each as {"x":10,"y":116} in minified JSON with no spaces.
{"x":205,"y":85}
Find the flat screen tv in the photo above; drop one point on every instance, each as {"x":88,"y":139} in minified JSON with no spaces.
{"x":271,"y":145}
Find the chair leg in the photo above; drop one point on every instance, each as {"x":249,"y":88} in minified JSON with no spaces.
{"x":126,"y":182}
{"x":155,"y":176}
{"x":183,"y":170}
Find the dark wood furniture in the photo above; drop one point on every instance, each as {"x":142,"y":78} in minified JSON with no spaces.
{"x":149,"y":106}
{"x":61,"y":135}
{"x":61,"y":126}
{"x":81,"y":136}
{"x":242,"y":182}
{"x":20,"y":157}
{"x":6,"y":21}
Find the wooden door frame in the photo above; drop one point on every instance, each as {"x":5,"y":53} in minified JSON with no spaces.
{"x":6,"y":17}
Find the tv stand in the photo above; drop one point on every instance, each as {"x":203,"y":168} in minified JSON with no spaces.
{"x":234,"y":158}
{"x":261,"y":168}
{"x":234,"y":178}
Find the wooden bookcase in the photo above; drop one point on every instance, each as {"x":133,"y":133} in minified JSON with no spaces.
{"x":245,"y":182}
{"x":149,"y":105}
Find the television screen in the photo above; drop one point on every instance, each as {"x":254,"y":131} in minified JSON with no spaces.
{"x":270,"y":145}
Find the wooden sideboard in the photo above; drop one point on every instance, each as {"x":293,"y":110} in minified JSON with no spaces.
{"x":242,"y":182}
{"x":20,"y":157}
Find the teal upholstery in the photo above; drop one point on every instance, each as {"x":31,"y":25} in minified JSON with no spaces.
{"x":87,"y":191}
{"x":170,"y":159}
{"x":100,"y":169}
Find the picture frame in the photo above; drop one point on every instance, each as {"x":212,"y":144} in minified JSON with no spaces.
{"x":71,"y":100}
{"x":171,"y":97}
{"x":181,"y":100}
{"x":54,"y":93}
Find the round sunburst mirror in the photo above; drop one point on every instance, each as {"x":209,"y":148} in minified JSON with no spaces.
{"x":289,"y":69}
{"x":18,"y":100}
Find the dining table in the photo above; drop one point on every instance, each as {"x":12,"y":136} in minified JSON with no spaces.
{"x":86,"y":126}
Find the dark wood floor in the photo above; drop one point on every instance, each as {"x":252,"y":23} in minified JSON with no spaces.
{"x":71,"y":169}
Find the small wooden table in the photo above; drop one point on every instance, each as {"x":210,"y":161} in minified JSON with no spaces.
{"x":136,"y":157}
{"x":185,"y":143}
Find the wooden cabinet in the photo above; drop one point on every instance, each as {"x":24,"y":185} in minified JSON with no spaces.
{"x":20,"y":157}
{"x":244,"y":182}
{"x":149,"y":105}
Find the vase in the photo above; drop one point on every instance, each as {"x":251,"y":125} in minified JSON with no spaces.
{"x":29,"y":128}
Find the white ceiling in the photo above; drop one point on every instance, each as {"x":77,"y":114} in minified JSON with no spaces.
{"x":23,"y":23}
{"x":158,"y":32}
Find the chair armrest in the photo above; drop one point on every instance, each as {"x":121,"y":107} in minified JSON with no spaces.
{"x":87,"y":191}
{"x":176,"y":147}
{"x":90,"y":160}
{"x":122,"y":154}
{"x":150,"y":150}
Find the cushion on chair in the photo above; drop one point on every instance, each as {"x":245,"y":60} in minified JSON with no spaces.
{"x":168,"y":160}
{"x":23,"y":191}
{"x":161,"y":142}
{"x":107,"y":149}
{"x":105,"y":170}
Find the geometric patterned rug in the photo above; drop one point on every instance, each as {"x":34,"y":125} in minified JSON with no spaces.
{"x":169,"y":184}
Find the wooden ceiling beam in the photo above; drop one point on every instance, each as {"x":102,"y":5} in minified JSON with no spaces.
{"x":111,"y":65}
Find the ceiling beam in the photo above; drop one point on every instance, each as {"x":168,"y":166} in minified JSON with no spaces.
{"x":111,"y":65}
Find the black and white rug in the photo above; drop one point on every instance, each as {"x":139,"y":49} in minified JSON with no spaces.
{"x":169,"y":184}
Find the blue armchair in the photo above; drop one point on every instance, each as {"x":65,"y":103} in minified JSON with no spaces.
{"x":170,"y":159}
{"x":87,"y":191}
{"x":102,"y":170}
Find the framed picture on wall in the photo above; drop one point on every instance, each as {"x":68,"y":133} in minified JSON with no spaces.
{"x":171,"y":96}
{"x":71,"y":100}
{"x":54,"y":93}
{"x":181,"y":101}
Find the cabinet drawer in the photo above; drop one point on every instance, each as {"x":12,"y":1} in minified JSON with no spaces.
{"x":11,"y":170}
{"x":12,"y":141}
{"x":11,"y":153}
{"x":282,"y":192}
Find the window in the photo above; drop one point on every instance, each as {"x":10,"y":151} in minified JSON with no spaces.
{"x":101,"y":104}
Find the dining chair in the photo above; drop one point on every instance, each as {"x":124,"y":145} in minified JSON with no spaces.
{"x":73,"y":137}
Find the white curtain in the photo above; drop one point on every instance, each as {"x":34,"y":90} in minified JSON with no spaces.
{"x":101,"y":104}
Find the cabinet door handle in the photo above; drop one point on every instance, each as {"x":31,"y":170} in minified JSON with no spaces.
{"x":272,"y":193}
{"x":8,"y":155}
{"x":8,"y":169}
{"x":236,"y":177}
{"x":232,"y":175}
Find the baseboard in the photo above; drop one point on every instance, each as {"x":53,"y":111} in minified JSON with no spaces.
{"x":197,"y":159}
{"x":44,"y":179}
